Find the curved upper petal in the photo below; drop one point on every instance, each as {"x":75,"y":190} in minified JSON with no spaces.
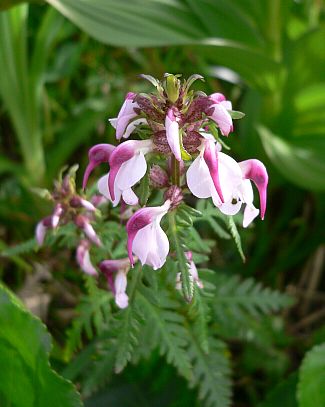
{"x":211,"y":158}
{"x":256,"y":171}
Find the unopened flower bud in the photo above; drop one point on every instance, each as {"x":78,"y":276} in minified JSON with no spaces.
{"x":78,"y":202}
{"x":172,"y":87}
{"x":83,"y":258}
{"x":158,"y":177}
{"x":175,"y":195}
{"x":83,"y":223}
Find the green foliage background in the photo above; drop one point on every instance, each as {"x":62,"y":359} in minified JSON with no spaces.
{"x":65,"y":68}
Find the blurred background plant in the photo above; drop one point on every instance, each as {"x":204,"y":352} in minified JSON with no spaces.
{"x":65,"y":68}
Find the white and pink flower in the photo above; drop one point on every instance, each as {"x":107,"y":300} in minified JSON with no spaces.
{"x":117,"y":284}
{"x":127,"y":166}
{"x":83,"y":258}
{"x":234,"y":181}
{"x":122,"y":122}
{"x":220,"y":113}
{"x":146,"y":238}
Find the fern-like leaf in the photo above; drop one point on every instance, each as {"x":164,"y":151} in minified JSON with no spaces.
{"x":211,"y":372}
{"x":128,"y":331}
{"x":168,"y":333}
{"x":94,"y":312}
{"x":247,"y":296}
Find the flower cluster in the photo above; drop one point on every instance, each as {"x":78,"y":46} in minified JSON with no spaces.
{"x":183,"y":128}
{"x":177,"y":148}
{"x":71,"y":207}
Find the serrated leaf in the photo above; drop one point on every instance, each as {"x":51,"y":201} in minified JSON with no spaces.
{"x":235,"y":235}
{"x":211,"y":372}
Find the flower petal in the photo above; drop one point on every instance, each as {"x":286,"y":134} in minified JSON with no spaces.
{"x":223,"y":119}
{"x":132,"y":126}
{"x":121,"y":298}
{"x":211,"y":159}
{"x":131,"y":171}
{"x":102,"y":186}
{"x":40,"y":233}
{"x":231,"y":207}
{"x":172,"y":134}
{"x":198,"y":178}
{"x":129,"y":197}
{"x":250,"y":214}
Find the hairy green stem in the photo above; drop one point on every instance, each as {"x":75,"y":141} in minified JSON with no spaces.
{"x":175,"y":171}
{"x":187,"y":283}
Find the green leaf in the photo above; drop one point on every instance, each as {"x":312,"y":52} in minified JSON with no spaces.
{"x":183,"y":266}
{"x":168,"y":333}
{"x":132,"y":23}
{"x":26,"y":378}
{"x":312,"y":378}
{"x":234,"y":296}
{"x":301,"y":161}
{"x":211,"y":372}
{"x":236,"y":115}
{"x":283,"y":394}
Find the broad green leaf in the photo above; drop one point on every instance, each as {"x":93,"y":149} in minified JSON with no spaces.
{"x":301,"y":161}
{"x":283,"y":394}
{"x":312,"y":378}
{"x":134,"y":22}
{"x":26,"y":378}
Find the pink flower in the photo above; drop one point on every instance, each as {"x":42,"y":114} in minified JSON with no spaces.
{"x":126,"y":114}
{"x":203,"y":174}
{"x":83,"y":258}
{"x":119,"y":284}
{"x":172,"y":134}
{"x":127,"y":167}
{"x":220,"y":113}
{"x":98,"y":154}
{"x":146,"y":239}
{"x":50,"y":222}
{"x":234,"y":183}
